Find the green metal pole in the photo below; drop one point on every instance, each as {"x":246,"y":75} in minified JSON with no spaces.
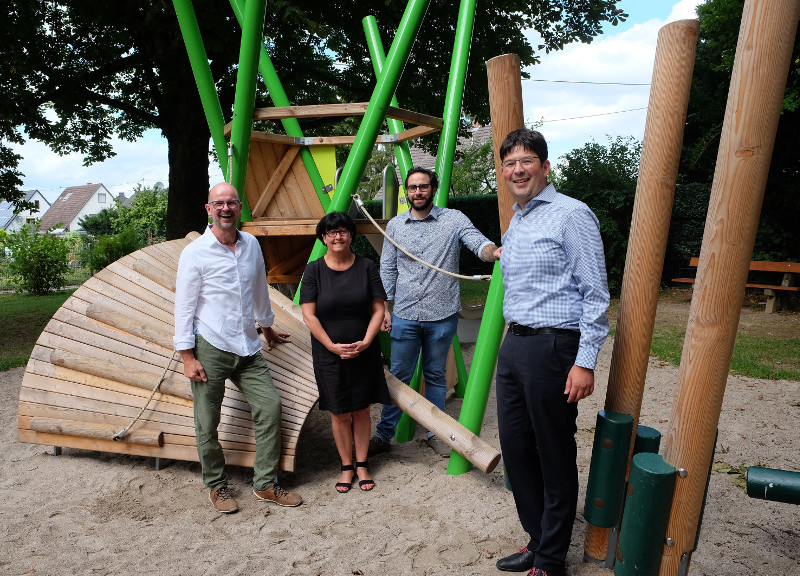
{"x":406,"y":427}
{"x":279,"y":98}
{"x":245,"y":97}
{"x":448,"y":140}
{"x":376,"y":112}
{"x":203,"y":78}
{"x":375,"y":45}
{"x":483,"y":364}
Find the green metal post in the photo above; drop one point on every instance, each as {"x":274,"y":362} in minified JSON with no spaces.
{"x":203,"y":78}
{"x":605,"y":488}
{"x":376,"y":112}
{"x":279,"y":98}
{"x":644,"y":521}
{"x":647,"y":440}
{"x":406,"y":426}
{"x":375,"y":46}
{"x":448,"y":140}
{"x":483,"y":364}
{"x":245,"y":97}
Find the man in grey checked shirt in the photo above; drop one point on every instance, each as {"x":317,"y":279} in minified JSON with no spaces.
{"x":556,"y":297}
{"x":426,"y":302}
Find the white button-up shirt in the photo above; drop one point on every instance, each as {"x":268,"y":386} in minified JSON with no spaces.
{"x":220,"y":294}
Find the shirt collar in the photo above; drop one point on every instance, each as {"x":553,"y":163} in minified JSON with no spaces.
{"x":548,"y":194}
{"x":210,"y":238}
{"x":434,"y":214}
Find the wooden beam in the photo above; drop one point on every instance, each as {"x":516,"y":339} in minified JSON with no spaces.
{"x":268,"y":193}
{"x":141,"y":436}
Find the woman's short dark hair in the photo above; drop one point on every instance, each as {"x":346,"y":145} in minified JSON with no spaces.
{"x":420,"y":170}
{"x":531,"y":140}
{"x":334,"y":221}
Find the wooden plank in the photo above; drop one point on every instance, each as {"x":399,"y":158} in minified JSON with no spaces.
{"x":410,"y":134}
{"x":143,"y":436}
{"x":170,"y":451}
{"x":109,"y":276}
{"x":275,"y":180}
{"x":111,"y":294}
{"x":311,"y":111}
{"x":413,"y":117}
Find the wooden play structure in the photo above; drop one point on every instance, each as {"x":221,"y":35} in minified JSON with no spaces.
{"x":97,"y":361}
{"x":103,"y":375}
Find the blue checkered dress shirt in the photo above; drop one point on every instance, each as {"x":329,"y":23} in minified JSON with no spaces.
{"x":554,"y":271}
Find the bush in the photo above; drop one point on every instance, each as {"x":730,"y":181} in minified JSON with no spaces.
{"x":110,"y":248}
{"x":38,"y":259}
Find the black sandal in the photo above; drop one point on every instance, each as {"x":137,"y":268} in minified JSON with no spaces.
{"x":345,"y":485}
{"x":362,"y":483}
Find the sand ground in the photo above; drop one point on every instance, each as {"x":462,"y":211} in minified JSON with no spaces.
{"x":95,"y":513}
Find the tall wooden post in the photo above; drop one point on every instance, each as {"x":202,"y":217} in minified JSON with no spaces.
{"x":763,"y":53}
{"x":655,"y":191}
{"x":505,"y":102}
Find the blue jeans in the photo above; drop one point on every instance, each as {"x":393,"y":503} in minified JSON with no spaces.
{"x":408,"y":338}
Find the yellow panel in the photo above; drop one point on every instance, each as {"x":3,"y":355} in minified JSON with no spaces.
{"x":325,"y":158}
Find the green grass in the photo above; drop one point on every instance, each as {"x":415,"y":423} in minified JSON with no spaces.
{"x":753,"y":356}
{"x":22,"y":320}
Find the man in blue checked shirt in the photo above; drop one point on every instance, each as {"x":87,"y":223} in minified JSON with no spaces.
{"x":556,"y":296}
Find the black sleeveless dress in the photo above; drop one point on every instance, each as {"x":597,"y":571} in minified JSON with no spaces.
{"x":344,"y":307}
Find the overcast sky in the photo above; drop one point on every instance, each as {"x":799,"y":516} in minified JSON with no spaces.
{"x":576,"y":110}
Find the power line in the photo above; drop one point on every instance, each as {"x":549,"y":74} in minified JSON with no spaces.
{"x":595,"y":115}
{"x":588,"y":82}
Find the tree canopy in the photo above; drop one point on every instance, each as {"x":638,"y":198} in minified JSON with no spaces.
{"x":74,"y":73}
{"x":778,"y":237}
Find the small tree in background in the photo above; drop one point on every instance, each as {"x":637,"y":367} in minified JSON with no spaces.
{"x":39,"y":260}
{"x":604,"y":177}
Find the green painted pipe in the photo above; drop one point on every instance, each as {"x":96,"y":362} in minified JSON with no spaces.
{"x":605,"y":488}
{"x":461,"y":368}
{"x":406,"y":426}
{"x":245,"y":97}
{"x":483,"y":364}
{"x":448,"y":140}
{"x":644,"y":521}
{"x":376,"y":112}
{"x":203,"y":78}
{"x":279,"y":98}
{"x":772,"y":484}
{"x":647,"y":440}
{"x":375,"y":46}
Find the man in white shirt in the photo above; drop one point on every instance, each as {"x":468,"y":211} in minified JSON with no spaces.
{"x":221,"y":292}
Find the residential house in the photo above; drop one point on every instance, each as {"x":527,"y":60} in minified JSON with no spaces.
{"x":73,"y":204}
{"x":11,"y":222}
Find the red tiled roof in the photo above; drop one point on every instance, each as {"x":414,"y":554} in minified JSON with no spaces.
{"x":67,"y":206}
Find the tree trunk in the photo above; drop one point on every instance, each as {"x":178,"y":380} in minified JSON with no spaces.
{"x":184,"y":125}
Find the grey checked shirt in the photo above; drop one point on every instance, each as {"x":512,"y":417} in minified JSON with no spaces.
{"x":419,"y":292}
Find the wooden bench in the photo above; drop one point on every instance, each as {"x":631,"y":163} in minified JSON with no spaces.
{"x":787,"y":283}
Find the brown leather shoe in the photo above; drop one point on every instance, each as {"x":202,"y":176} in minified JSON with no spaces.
{"x":278,"y":495}
{"x":222,"y":500}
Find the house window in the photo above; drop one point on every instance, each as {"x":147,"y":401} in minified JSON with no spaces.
{"x":101,"y":198}
{"x":30,"y":220}
{"x":36,"y":204}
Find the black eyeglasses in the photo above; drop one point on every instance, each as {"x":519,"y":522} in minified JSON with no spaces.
{"x":222,"y":204}
{"x":420,"y":187}
{"x":334,"y":233}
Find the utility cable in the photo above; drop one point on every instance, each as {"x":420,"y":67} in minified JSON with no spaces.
{"x":360,"y":203}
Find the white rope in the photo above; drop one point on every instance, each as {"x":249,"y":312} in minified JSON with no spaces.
{"x":123,"y":432}
{"x":360,"y":203}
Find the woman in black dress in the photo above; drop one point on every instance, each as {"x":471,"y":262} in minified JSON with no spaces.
{"x":342,"y":299}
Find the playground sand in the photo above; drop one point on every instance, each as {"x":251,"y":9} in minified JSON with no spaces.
{"x":95,"y":513}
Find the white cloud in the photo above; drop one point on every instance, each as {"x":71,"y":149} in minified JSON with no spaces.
{"x":596,"y":110}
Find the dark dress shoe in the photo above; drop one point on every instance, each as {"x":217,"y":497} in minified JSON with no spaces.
{"x":519,"y":562}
